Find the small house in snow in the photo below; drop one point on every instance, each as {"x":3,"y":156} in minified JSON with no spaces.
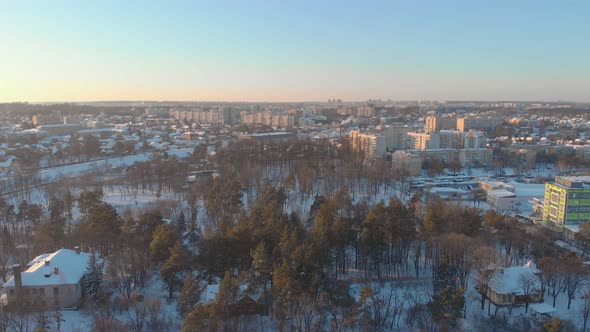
{"x":50,"y":281}
{"x":248,"y":303}
{"x":513,"y":285}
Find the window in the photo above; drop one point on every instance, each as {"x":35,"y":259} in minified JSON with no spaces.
{"x":41,"y":291}
{"x":12,"y":292}
{"x":55,"y":291}
{"x":27,"y":291}
{"x":34,"y":291}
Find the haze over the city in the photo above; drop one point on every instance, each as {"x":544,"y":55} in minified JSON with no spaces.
{"x":294,"y":51}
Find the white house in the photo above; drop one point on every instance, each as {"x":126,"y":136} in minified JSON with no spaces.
{"x":52,"y":280}
{"x":513,"y":285}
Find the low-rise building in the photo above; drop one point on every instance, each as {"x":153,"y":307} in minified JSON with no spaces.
{"x":50,"y":281}
{"x":510,"y":286}
{"x":501,"y":199}
{"x":487,"y":185}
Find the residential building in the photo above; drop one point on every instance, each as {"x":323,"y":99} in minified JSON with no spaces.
{"x":47,"y":118}
{"x":519,"y":157}
{"x":567,"y":202}
{"x":269,"y":119}
{"x":582,"y":151}
{"x":60,"y":129}
{"x":474,"y":140}
{"x":465,"y":157}
{"x":248,"y":303}
{"x":51,"y":281}
{"x":505,"y":285}
{"x":470,"y":123}
{"x":423,"y":141}
{"x":365,"y":111}
{"x":221,"y":115}
{"x":411,"y":163}
{"x":268,"y":137}
{"x":396,"y":136}
{"x":435,"y":123}
{"x":372,"y":146}
{"x":452,"y":139}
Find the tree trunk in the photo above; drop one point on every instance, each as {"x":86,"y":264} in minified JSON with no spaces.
{"x":483,"y":301}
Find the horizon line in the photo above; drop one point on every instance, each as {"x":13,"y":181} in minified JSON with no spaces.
{"x":295,"y":102}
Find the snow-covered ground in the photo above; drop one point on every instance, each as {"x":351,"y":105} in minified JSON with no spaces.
{"x":81,"y":320}
{"x":74,"y":170}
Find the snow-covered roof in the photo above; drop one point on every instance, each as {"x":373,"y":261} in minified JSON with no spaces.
{"x":7,"y":163}
{"x":244,"y":290}
{"x":211,"y":293}
{"x":70,"y":269}
{"x":542,"y":308}
{"x":509,"y":280}
{"x":501,"y":193}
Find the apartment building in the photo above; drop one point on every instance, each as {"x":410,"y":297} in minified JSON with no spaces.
{"x":408,"y":162}
{"x":372,"y":146}
{"x":396,"y":136}
{"x":269,"y":119}
{"x":423,"y":141}
{"x":221,"y":115}
{"x":451,"y":139}
{"x":435,"y":123}
{"x":523,"y":158}
{"x":477,"y":123}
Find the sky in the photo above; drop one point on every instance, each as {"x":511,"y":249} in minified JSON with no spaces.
{"x":280,"y":51}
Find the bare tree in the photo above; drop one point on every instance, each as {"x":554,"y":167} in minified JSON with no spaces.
{"x":484,"y":260}
{"x":552,"y":276}
{"x":528,"y":284}
{"x":573,"y":276}
{"x":585,"y":311}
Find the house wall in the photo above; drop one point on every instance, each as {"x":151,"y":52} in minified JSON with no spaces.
{"x":510,"y":299}
{"x":501,"y":203}
{"x":47,"y":297}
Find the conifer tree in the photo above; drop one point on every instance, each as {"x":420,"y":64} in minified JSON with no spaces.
{"x":448,"y":299}
{"x":92,"y":279}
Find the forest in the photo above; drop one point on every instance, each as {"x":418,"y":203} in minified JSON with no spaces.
{"x":297,"y":236}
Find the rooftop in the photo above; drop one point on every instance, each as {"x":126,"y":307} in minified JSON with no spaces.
{"x":69,"y":265}
{"x":509,"y":280}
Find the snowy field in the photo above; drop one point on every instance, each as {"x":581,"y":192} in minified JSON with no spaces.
{"x":74,"y":170}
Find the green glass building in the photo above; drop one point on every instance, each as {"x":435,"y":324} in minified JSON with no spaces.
{"x":567,"y":202}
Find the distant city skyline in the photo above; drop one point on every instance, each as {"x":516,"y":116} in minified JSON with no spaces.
{"x":279,"y":51}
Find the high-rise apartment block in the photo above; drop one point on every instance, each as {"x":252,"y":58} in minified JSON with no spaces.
{"x":372,"y":146}
{"x":221,"y":115}
{"x":471,"y":123}
{"x":269,"y":119}
{"x":423,"y":141}
{"x":435,"y":123}
{"x":396,"y":136}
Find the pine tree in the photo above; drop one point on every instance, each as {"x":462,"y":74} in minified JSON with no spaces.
{"x":189,"y":295}
{"x":448,"y":300}
{"x":92,"y":279}
{"x":178,"y":262}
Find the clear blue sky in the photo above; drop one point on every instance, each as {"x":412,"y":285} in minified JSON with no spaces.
{"x":294,"y":50}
